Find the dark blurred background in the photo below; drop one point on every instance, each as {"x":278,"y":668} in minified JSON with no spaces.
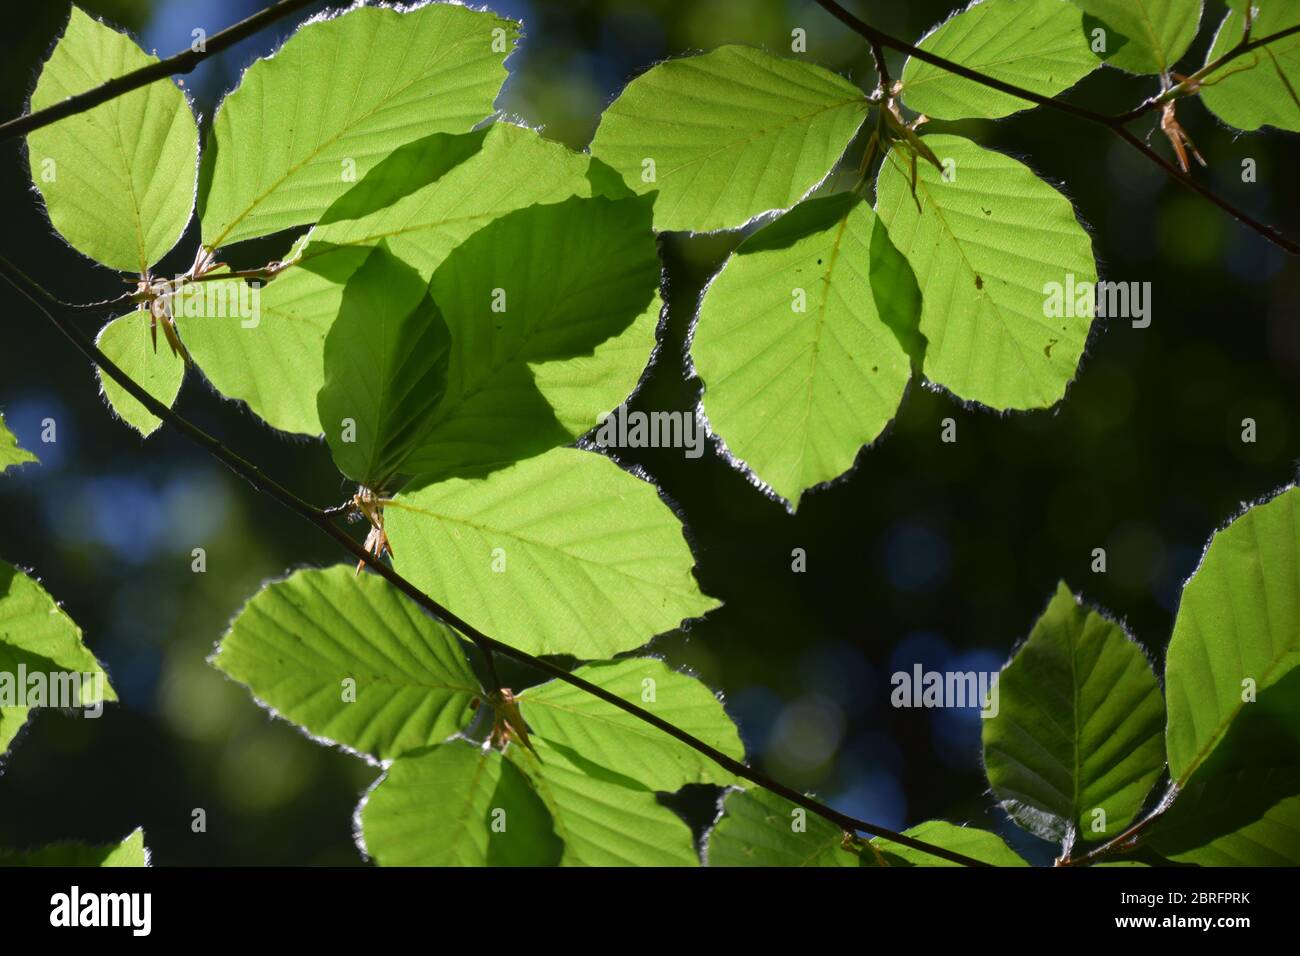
{"x":941,"y":554}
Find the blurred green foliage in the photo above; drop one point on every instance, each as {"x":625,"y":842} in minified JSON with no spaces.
{"x":930,"y":552}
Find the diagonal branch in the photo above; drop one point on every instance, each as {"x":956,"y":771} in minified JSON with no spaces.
{"x":183,"y":62}
{"x":51,"y":307}
{"x":1113,"y":123}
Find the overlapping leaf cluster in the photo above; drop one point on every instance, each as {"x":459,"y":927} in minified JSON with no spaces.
{"x":458,"y":298}
{"x":463,"y":298}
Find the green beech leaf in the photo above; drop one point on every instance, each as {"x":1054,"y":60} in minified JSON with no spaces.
{"x":598,"y":768}
{"x":1234,"y":698}
{"x":1259,"y":88}
{"x":1145,"y":36}
{"x":1241,"y":806}
{"x":570,"y":719}
{"x":130,"y":852}
{"x":534,"y":554}
{"x":128,"y":342}
{"x":252,"y":357}
{"x":385,"y":369}
{"x":11,"y":453}
{"x":118,"y":180}
{"x":1237,"y":631}
{"x":1078,"y":727}
{"x":344,"y":93}
{"x":349,"y":658}
{"x":431,"y":195}
{"x":1246,"y":819}
{"x":760,"y":828}
{"x":266,"y":347}
{"x":800,"y":343}
{"x":552,"y":311}
{"x":605,"y":819}
{"x":976,"y":844}
{"x":1038,"y":45}
{"x":987,"y":247}
{"x":729,"y":135}
{"x":457,"y":804}
{"x":38,"y":637}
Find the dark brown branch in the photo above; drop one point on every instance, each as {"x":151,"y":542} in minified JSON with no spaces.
{"x":48,"y":305}
{"x":882,"y":67}
{"x":1113,"y":123}
{"x":183,"y":62}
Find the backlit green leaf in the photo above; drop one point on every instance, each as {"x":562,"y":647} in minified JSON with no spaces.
{"x":385,"y":369}
{"x":598,"y":768}
{"x":728,"y":135}
{"x":457,"y":804}
{"x":1241,"y":806}
{"x":128,"y":341}
{"x":352,"y":660}
{"x":760,"y":828}
{"x":990,"y":246}
{"x":1237,"y":631}
{"x":572,"y":720}
{"x":11,"y":453}
{"x":552,"y":311}
{"x":249,"y":357}
{"x":130,"y":852}
{"x":564,"y":553}
{"x":433,"y":194}
{"x":1145,"y":36}
{"x":603,"y":818}
{"x":118,"y":180}
{"x":37,"y":637}
{"x":1077,"y":728}
{"x":1258,"y":88}
{"x":344,"y":93}
{"x":968,"y":841}
{"x":800,"y":343}
{"x":250,"y":343}
{"x":1038,"y":45}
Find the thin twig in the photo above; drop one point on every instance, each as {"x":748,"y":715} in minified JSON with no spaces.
{"x":103,"y":305}
{"x":182,"y":62}
{"x":48,"y":305}
{"x":1190,"y":84}
{"x":1113,"y":123}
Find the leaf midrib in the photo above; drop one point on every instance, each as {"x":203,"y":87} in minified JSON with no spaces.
{"x":516,"y":536}
{"x":981,"y":294}
{"x":347,"y":130}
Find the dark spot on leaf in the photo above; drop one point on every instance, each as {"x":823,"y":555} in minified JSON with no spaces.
{"x":1047,"y":349}
{"x":979,"y":281}
{"x":875,"y":368}
{"x":987,"y":212}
